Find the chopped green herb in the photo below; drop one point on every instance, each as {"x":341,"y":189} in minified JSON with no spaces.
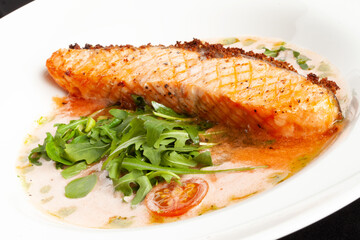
{"x":274,"y":53}
{"x":300,"y":59}
{"x":296,"y":54}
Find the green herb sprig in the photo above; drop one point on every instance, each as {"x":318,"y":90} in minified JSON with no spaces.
{"x":138,"y":149}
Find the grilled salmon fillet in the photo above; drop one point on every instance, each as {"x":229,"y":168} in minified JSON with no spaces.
{"x":225,"y":85}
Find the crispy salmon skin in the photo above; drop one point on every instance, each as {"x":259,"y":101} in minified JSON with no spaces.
{"x":225,"y":85}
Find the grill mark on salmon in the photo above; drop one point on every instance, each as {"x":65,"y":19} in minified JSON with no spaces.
{"x":225,"y":85}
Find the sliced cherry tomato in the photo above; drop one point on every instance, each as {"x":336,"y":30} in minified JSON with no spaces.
{"x":174,"y":199}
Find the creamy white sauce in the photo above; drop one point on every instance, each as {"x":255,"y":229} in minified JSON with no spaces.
{"x":45,"y":186}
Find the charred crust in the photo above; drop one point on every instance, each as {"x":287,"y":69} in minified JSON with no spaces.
{"x":324,"y":82}
{"x":209,"y":51}
{"x":98,"y":46}
{"x":74,"y":46}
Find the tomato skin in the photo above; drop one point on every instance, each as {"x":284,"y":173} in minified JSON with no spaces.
{"x":172,"y":199}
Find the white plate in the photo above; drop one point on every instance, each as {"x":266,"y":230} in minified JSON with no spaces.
{"x":31,"y":34}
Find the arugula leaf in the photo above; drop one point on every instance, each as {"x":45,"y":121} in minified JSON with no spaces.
{"x":114,"y":166}
{"x":39,"y":152}
{"x":166,"y":175}
{"x":153,"y":154}
{"x":36,"y":154}
{"x":193,"y":133}
{"x":145,"y":187}
{"x":180,"y":137}
{"x":119,"y":114}
{"x":140,"y":149}
{"x":80,"y":187}
{"x":155,"y":127}
{"x":73,"y":170}
{"x":123,"y":184}
{"x":63,"y":128}
{"x":54,"y":151}
{"x":80,"y":139}
{"x":85,"y":151}
{"x":168,"y":113}
{"x":106,"y":131}
{"x":126,"y":144}
{"x":204,"y":158}
{"x":174,"y":159}
{"x":131,"y":164}
{"x":135,"y":128}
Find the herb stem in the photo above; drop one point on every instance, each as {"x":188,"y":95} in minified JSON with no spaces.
{"x":137,"y":164}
